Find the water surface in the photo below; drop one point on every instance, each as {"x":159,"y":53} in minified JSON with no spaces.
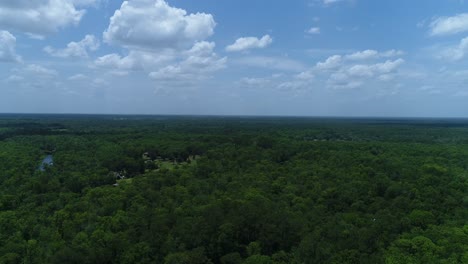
{"x":47,"y":161}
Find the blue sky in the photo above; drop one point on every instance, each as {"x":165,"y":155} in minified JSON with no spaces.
{"x":235,"y":57}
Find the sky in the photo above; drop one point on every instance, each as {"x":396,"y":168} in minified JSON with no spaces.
{"x":386,"y":58}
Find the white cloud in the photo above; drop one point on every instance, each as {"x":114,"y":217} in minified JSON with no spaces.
{"x":86,"y":2}
{"x":32,"y":75}
{"x":361,"y":70}
{"x":449,"y":25}
{"x":313,"y":30}
{"x":293,"y":86}
{"x":40,"y":71}
{"x":421,"y":24}
{"x":461,"y":75}
{"x":7,"y":47}
{"x":363,"y":55}
{"x":115,"y":61}
{"x":386,"y":77}
{"x":388,"y":66}
{"x":118,"y":72}
{"x":430,"y":89}
{"x":99,"y":82}
{"x":274,"y":63}
{"x":455,"y":53}
{"x":14,"y":78}
{"x":153,"y":24}
{"x":371,"y":70}
{"x":38,"y":17}
{"x":247,"y":43}
{"x":353,"y":76}
{"x":341,"y":73}
{"x":329,"y":2}
{"x":305,"y":76}
{"x":332,"y":62}
{"x":338,"y":72}
{"x":357,"y":75}
{"x":345,"y":85}
{"x":373,"y":54}
{"x":165,"y":42}
{"x":392,"y":53}
{"x":255,"y":82}
{"x":135,"y":60}
{"x":185,"y":67}
{"x":261,"y":82}
{"x":77,"y":77}
{"x":75,"y":49}
{"x":35,"y":36}
{"x":199,"y":64}
{"x":298,"y":82}
{"x":201,"y":49}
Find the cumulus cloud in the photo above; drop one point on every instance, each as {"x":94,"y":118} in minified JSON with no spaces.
{"x":449,"y":25}
{"x":313,"y":30}
{"x":39,"y":17}
{"x":116,"y":61}
{"x":201,"y":61}
{"x":373,"y":54}
{"x":7,"y":47}
{"x":136,"y":60}
{"x":184,"y":67}
{"x":33,"y":75}
{"x":164,"y":42}
{"x":363,"y":55}
{"x":247,"y":43}
{"x":341,"y":72}
{"x":331,"y":62}
{"x":305,"y":75}
{"x":357,"y":75}
{"x":455,"y":53}
{"x":298,"y":83}
{"x":153,"y":24}
{"x":371,"y":70}
{"x":75,"y":49}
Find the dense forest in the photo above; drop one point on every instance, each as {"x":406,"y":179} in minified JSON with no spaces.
{"x":232,"y":190}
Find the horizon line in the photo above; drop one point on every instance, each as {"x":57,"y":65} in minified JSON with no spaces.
{"x":238,"y":115}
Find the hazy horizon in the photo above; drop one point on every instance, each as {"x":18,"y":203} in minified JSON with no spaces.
{"x":242,"y":116}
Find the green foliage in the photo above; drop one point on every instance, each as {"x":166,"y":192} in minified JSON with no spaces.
{"x":231,"y":258}
{"x":421,"y":218}
{"x":233,"y":190}
{"x":254,"y":248}
{"x":258,"y":259}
